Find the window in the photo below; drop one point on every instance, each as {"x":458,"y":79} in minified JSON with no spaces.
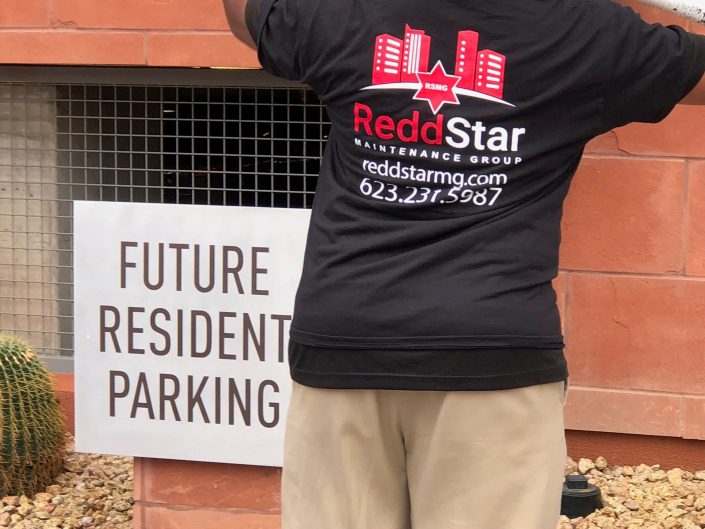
{"x":225,"y":139}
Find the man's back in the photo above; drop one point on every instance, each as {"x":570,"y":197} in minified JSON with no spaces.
{"x":456,"y":133}
{"x":457,"y":128}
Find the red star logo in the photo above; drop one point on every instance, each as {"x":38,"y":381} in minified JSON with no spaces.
{"x":438,"y":88}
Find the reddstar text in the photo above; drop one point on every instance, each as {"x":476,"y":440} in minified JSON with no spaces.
{"x":458,"y":133}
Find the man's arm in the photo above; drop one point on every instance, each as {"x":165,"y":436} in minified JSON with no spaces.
{"x":235,"y":11}
{"x":695,"y":10}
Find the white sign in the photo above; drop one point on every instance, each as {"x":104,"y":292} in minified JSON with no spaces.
{"x":181,"y":318}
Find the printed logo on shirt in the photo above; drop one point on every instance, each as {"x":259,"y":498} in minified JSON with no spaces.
{"x":404,"y":65}
{"x":419,"y":158}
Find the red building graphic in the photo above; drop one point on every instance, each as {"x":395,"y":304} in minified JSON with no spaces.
{"x":489,"y":77}
{"x":387,"y":65}
{"x":466,"y":58}
{"x":398,"y":60}
{"x":417,"y":50}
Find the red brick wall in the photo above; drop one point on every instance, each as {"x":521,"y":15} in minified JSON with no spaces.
{"x":119,"y":32}
{"x":632,"y":286}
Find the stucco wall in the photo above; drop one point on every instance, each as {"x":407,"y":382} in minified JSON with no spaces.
{"x":29,"y":214}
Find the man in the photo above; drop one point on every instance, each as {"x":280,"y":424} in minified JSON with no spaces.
{"x":426,"y":347}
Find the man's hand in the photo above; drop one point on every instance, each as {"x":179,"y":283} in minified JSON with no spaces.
{"x":235,"y":11}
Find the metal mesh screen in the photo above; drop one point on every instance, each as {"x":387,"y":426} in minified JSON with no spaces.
{"x":222,"y":145}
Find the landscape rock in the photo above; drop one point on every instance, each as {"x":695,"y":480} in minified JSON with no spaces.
{"x":571,"y":467}
{"x":11,"y":500}
{"x":585,"y":465}
{"x":94,"y":492}
{"x":675,"y":477}
{"x":600,"y":463}
{"x":642,"y":497}
{"x":631,"y":505}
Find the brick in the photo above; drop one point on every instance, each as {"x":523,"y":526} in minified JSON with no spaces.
{"x":165,"y":518}
{"x":211,"y":484}
{"x":71,"y":47}
{"x":633,"y":450}
{"x":138,"y":511}
{"x":677,"y":135}
{"x":694,"y":418}
{"x":695,"y":245}
{"x":138,"y":473}
{"x":24,"y":13}
{"x":605,"y":143}
{"x":696,"y":27}
{"x":206,"y":49}
{"x":64,"y":382}
{"x":66,"y":402}
{"x":138,"y":14}
{"x":600,"y":410}
{"x":625,"y":215}
{"x":680,"y":134}
{"x":639,"y":333}
{"x":63,"y":385}
{"x":653,"y":14}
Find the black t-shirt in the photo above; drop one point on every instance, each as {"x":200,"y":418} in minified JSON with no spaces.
{"x":457,"y":127}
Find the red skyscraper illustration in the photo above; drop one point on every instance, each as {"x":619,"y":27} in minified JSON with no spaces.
{"x":489,"y":78}
{"x":417,"y":49}
{"x":466,"y":58}
{"x":387,"y":66}
{"x":406,"y":63}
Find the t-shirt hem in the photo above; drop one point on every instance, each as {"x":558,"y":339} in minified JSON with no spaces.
{"x":425,"y":383}
{"x":424,"y":342}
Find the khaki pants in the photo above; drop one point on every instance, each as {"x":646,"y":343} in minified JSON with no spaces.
{"x":381,"y":459}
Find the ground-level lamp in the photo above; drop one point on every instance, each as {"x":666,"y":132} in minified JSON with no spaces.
{"x":580,"y":498}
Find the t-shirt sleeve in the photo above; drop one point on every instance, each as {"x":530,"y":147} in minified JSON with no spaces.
{"x":273,"y":25}
{"x":652,"y":68}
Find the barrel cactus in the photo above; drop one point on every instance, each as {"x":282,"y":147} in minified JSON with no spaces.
{"x":31,"y":423}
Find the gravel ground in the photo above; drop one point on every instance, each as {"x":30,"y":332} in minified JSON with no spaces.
{"x":95,"y":492}
{"x":642,"y":497}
